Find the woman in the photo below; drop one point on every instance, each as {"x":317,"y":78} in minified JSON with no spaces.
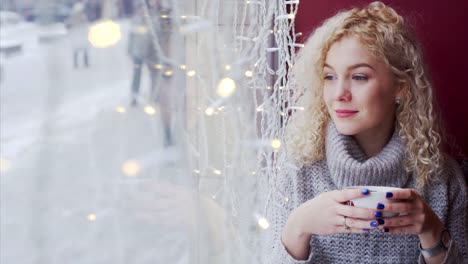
{"x":368,"y":120}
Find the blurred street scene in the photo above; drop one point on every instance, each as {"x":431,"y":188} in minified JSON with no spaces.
{"x":75,"y":153}
{"x":123,"y":137}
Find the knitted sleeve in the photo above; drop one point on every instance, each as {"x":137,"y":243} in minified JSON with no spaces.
{"x":457,"y":220}
{"x":283,"y":201}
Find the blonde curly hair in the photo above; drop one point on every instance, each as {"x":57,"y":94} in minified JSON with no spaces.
{"x":386,"y":35}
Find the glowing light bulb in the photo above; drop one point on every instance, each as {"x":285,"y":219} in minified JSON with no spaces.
{"x":131,"y":168}
{"x":191,"y":73}
{"x":196,"y":171}
{"x":5,"y":165}
{"x":183,"y":17}
{"x":91,"y":217}
{"x":291,"y":16}
{"x":253,"y":172}
{"x":227,"y":67}
{"x":286,"y":199}
{"x":217,"y":172}
{"x":150,"y":110}
{"x":183,"y":66}
{"x":276,"y":143}
{"x":248,"y":73}
{"x":104,"y":34}
{"x":268,"y":87}
{"x":120,"y":109}
{"x":263,"y":223}
{"x":164,"y":16}
{"x":226,"y":87}
{"x":158,"y":66}
{"x":168,"y":73}
{"x":209,"y":111}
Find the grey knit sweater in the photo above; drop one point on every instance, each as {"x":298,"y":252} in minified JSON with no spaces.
{"x":346,"y":165}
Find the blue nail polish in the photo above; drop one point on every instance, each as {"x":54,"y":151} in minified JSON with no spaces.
{"x":374,"y":224}
{"x":380,"y":206}
{"x":386,"y":230}
{"x":389,"y":195}
{"x":381,"y":221}
{"x":366,"y":229}
{"x":378,"y":214}
{"x":365,"y":192}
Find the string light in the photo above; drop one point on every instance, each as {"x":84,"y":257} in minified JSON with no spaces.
{"x":183,"y":17}
{"x":191,"y":73}
{"x":168,"y":73}
{"x":91,"y":217}
{"x":183,"y":66}
{"x":158,"y":66}
{"x":276,"y":144}
{"x":227,"y":67}
{"x":268,"y":88}
{"x":209,"y":111}
{"x":196,"y":171}
{"x":226,"y":87}
{"x":217,"y":172}
{"x":149,"y":110}
{"x":104,"y":34}
{"x":300,"y":45}
{"x":5,"y":165}
{"x":164,"y":16}
{"x":120,"y":109}
{"x":131,"y":168}
{"x":263,"y":223}
{"x":288,"y":16}
{"x":248,"y":74}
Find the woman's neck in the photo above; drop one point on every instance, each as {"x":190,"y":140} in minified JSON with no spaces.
{"x":372,"y":142}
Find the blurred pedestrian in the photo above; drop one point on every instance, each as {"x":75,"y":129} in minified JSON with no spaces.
{"x":77,"y":24}
{"x":142,"y":50}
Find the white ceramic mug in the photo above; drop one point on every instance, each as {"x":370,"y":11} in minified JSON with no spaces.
{"x":377,"y":194}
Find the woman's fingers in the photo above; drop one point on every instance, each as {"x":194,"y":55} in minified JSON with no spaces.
{"x":400,"y":207}
{"x":358,"y":224}
{"x":403,"y":194}
{"x":356,"y":212}
{"x":400,"y":221}
{"x":345,"y":195}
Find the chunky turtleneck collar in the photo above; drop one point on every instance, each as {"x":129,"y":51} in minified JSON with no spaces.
{"x":349,"y":165}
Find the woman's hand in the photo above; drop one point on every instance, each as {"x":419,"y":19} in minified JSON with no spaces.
{"x":324,"y":215}
{"x":417,"y":217}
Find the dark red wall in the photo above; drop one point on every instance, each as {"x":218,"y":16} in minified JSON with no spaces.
{"x":443,"y":30}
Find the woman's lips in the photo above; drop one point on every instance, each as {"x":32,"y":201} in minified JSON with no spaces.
{"x":345,"y":113}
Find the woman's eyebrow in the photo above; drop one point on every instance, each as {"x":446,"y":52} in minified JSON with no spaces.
{"x":354,"y":66}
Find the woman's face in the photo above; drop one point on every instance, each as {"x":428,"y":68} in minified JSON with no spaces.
{"x":358,"y":90}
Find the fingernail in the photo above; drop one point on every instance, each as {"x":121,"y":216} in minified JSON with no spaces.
{"x":366,"y":229}
{"x":365,"y":192}
{"x":378,"y":214}
{"x":374,"y":224}
{"x":389,"y":195}
{"x":381,"y":221}
{"x":380,"y":206}
{"x":386,"y":230}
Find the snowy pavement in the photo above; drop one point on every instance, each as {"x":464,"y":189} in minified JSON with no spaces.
{"x":64,"y":197}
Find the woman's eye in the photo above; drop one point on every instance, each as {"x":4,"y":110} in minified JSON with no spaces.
{"x":329,"y":77}
{"x":360,"y":78}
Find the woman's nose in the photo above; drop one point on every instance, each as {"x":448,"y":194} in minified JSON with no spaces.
{"x":343,"y":91}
